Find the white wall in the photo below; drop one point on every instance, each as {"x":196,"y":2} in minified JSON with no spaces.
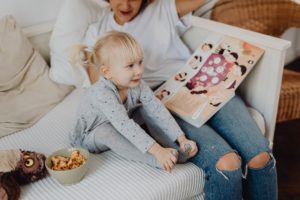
{"x":30,"y":12}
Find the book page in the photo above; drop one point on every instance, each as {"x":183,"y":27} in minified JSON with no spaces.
{"x":209,"y":78}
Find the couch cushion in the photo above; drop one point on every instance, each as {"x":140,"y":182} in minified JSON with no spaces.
{"x":12,"y":55}
{"x":26,"y":92}
{"x":259,"y":119}
{"x":109,"y":175}
{"x":66,"y":33}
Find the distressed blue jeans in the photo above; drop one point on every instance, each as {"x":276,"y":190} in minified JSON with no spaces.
{"x":232,"y":129}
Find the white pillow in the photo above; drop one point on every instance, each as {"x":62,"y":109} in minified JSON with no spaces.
{"x":72,"y":22}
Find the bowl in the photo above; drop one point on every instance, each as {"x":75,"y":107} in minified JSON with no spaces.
{"x":69,"y":176}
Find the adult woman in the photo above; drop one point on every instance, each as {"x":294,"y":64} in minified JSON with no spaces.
{"x":230,"y":139}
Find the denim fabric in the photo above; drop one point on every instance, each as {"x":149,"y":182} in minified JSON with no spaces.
{"x":232,"y":129}
{"x":266,"y":178}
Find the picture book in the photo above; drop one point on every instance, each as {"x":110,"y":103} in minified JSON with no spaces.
{"x":209,"y":78}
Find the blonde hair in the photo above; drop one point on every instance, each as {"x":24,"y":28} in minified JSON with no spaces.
{"x":112,"y":47}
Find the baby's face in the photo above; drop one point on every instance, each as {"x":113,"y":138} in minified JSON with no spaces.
{"x":127,"y":74}
{"x":125,"y":11}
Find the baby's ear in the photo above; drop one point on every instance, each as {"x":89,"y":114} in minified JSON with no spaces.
{"x":105,"y":71}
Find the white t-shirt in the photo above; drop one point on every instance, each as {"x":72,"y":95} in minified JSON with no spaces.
{"x":158,"y":29}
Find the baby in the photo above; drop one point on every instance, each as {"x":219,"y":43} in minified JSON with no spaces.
{"x":112,"y":110}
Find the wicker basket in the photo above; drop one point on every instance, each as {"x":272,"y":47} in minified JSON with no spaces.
{"x":271,"y":17}
{"x":289,"y":101}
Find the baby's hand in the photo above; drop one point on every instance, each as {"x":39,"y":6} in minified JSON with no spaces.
{"x":167,"y":157}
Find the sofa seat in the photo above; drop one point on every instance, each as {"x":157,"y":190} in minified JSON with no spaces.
{"x":109,"y":176}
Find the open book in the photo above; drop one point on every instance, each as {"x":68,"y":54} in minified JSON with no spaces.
{"x":209,"y":78}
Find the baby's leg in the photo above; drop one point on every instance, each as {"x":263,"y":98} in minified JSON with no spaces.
{"x":107,"y":137}
{"x":139,"y":116}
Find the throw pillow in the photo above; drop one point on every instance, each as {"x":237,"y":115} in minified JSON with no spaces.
{"x":72,"y":22}
{"x":26,"y":92}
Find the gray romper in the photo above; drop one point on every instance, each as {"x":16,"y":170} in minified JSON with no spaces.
{"x":104,"y":122}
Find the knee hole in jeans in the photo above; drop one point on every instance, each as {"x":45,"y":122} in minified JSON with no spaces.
{"x":230,"y":161}
{"x":260,"y":160}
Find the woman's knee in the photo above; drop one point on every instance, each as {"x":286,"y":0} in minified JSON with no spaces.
{"x":260,"y":160}
{"x":230,"y":161}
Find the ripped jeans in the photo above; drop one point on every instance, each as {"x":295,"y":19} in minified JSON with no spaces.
{"x":232,"y":129}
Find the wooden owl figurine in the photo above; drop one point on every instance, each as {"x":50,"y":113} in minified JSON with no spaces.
{"x":18,"y":168}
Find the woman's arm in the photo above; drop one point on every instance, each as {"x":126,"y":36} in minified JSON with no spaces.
{"x":186,"y":6}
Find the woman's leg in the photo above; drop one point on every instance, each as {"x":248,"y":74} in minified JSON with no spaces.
{"x":234,"y":123}
{"x":223,"y":175}
{"x":107,"y":137}
{"x":262,"y":180}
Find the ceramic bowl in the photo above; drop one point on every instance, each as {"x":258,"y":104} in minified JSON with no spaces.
{"x":70,"y":176}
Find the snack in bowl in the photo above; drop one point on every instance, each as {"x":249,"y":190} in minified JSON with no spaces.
{"x":65,"y":163}
{"x":69,"y":165}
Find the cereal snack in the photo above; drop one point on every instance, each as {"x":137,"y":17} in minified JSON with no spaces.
{"x":66,"y":163}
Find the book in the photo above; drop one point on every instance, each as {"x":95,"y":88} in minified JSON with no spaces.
{"x":209,"y":78}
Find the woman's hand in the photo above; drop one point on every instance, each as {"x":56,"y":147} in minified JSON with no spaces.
{"x":167,"y":157}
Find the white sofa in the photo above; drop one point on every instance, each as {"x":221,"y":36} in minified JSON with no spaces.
{"x":111,"y":177}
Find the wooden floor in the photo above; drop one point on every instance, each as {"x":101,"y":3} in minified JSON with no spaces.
{"x":287,"y":153}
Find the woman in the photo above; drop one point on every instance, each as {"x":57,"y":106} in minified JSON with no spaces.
{"x":230,"y":141}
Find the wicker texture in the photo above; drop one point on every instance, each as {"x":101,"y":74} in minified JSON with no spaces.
{"x":289,"y":101}
{"x":271,"y":17}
